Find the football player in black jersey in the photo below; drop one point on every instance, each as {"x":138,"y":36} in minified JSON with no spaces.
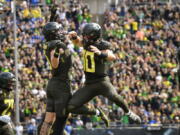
{"x":58,"y":88}
{"x":96,"y":55}
{"x":7,"y":83}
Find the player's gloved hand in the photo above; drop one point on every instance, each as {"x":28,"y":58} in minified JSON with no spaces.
{"x":53,"y":9}
{"x":72,"y":35}
{"x":56,"y":44}
{"x":60,"y":44}
{"x":60,"y":47}
{"x":53,"y":13}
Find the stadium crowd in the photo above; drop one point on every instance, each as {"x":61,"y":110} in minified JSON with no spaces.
{"x":144,"y":38}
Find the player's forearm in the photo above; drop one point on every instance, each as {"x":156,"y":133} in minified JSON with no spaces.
{"x":55,"y":62}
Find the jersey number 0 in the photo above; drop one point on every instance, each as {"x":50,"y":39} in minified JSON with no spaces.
{"x":89,"y":63}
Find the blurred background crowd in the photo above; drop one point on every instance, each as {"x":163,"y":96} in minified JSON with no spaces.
{"x":144,"y":36}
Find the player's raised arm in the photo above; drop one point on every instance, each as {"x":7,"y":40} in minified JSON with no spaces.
{"x":55,"y":54}
{"x":55,"y":58}
{"x":53,"y":10}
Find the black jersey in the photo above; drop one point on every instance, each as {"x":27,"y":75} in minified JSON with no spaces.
{"x":65,"y":61}
{"x":94,"y":66}
{"x":6,"y":103}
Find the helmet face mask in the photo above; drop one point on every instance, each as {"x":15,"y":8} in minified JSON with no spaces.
{"x":7,"y":81}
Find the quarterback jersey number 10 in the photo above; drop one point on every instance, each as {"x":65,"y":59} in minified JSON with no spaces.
{"x":89,"y":63}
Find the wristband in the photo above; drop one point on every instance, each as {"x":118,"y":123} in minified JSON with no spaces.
{"x":103,"y":55}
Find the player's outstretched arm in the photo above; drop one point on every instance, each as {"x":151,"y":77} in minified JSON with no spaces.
{"x":106,"y":54}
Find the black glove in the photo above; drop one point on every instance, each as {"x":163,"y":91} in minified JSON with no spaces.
{"x":53,"y":9}
{"x":56,"y":44}
{"x":60,"y":44}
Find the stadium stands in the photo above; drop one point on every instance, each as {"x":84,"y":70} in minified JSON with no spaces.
{"x":143,"y":37}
